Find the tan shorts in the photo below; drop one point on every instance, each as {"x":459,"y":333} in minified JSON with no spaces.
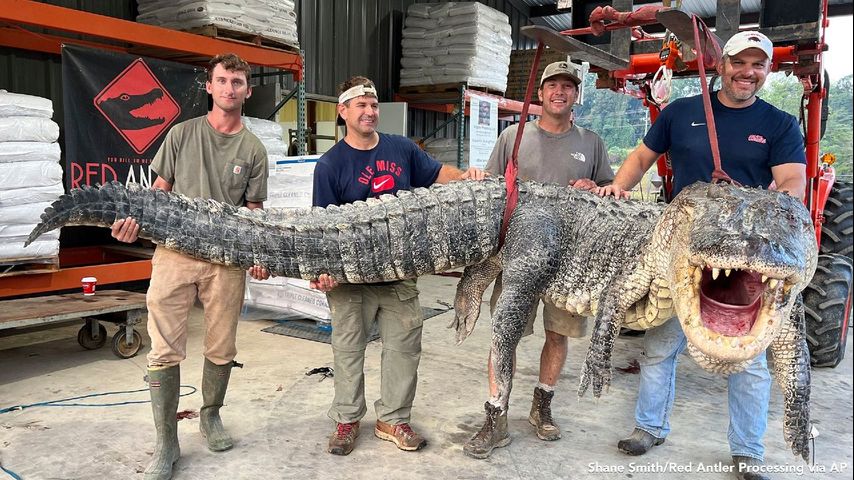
{"x":554,"y":319}
{"x":176,"y":281}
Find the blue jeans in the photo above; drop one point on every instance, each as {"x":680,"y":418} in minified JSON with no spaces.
{"x":749,"y":392}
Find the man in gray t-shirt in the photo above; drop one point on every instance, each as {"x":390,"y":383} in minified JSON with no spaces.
{"x":211,"y":157}
{"x":553,"y":150}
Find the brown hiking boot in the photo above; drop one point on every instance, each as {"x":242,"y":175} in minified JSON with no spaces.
{"x":541,"y":415}
{"x":492,"y":434}
{"x":401,"y":434}
{"x":638,"y":443}
{"x":344,"y":439}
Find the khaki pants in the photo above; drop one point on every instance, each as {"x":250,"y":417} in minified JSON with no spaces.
{"x":554,"y":319}
{"x":395,"y":310}
{"x":176,"y":281}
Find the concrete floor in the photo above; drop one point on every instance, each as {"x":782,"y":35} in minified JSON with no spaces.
{"x":277,"y":414}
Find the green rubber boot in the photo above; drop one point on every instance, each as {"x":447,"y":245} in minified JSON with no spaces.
{"x":214,"y":384}
{"x":164,"y":383}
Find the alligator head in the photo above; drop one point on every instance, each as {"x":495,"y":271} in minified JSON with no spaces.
{"x":735,"y":266}
{"x":122,"y":109}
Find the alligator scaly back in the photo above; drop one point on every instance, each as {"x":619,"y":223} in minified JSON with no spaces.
{"x":390,"y":238}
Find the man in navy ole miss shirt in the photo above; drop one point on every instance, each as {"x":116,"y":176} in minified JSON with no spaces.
{"x":367,"y":164}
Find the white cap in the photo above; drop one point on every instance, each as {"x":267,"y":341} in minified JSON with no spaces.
{"x":741,"y":41}
{"x":89,"y":279}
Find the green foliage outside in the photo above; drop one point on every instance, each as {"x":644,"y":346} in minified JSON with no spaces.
{"x":621,"y":120}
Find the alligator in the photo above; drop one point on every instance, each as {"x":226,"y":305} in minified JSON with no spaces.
{"x":120,"y":109}
{"x":730,"y":262}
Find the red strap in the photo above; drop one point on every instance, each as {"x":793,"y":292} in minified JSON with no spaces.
{"x":512,"y":169}
{"x":704,"y":56}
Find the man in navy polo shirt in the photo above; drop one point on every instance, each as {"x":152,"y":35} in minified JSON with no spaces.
{"x":759,"y":144}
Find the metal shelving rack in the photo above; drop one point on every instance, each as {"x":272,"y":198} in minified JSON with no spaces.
{"x":456,"y":104}
{"x":114,"y":264}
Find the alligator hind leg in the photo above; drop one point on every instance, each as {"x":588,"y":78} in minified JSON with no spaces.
{"x":530,"y":264}
{"x":475,"y":280}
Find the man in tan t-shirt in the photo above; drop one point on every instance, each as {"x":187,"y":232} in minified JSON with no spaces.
{"x":213,"y":157}
{"x":553,"y":150}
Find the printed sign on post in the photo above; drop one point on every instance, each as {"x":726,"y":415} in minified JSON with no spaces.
{"x":483,"y":129}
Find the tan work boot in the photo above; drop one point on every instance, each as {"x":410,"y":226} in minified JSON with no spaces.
{"x":401,"y":434}
{"x":343,"y":439}
{"x":493,"y":434}
{"x":541,"y":415}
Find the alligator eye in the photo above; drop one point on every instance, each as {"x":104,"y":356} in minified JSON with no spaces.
{"x":125,"y":97}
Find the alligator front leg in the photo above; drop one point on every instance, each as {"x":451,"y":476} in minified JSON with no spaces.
{"x":597,"y":366}
{"x":475,"y":280}
{"x":792,"y":371}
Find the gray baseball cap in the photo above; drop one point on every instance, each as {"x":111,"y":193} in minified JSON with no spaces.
{"x":561,"y":68}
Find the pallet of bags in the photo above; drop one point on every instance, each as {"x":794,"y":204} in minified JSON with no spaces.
{"x":30,"y":178}
{"x":273,"y":20}
{"x":455,"y":42}
{"x":289,"y":186}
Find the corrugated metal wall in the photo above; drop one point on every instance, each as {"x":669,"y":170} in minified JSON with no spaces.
{"x":341,"y":38}
{"x":362,"y":37}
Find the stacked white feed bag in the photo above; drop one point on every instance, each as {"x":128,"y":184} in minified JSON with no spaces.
{"x":270,"y":133}
{"x":30,"y":176}
{"x":444,"y":150}
{"x":272,"y":19}
{"x":455,"y":42}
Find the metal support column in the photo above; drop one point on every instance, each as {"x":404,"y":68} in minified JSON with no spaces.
{"x":461,"y":126}
{"x":301,"y":126}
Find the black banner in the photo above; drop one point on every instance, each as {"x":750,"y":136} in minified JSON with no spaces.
{"x":118,"y":108}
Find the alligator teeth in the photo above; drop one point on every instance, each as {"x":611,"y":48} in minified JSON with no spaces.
{"x":773,"y":283}
{"x":764,"y":278}
{"x":727,"y":272}
{"x":715,"y":273}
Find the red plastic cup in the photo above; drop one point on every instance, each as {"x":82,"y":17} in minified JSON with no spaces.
{"x":89,"y":285}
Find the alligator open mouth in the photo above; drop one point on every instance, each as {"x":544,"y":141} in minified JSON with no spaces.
{"x":734,"y":313}
{"x":730,"y":302}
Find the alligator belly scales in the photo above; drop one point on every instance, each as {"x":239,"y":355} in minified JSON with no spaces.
{"x":729,"y":262}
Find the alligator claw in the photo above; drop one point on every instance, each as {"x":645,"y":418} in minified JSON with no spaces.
{"x":595,"y":374}
{"x":465,"y":318}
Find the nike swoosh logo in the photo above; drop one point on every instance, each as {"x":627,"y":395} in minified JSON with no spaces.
{"x":695,"y":124}
{"x":378,"y":185}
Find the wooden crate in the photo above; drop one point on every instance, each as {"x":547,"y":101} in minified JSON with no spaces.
{"x":27,"y":266}
{"x":444,"y":88}
{"x":218,"y":32}
{"x":520,"y":68}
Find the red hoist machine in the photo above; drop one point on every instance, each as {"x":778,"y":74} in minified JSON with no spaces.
{"x":628,"y":59}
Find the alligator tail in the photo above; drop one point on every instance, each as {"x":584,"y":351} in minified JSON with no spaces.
{"x":391,"y":238}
